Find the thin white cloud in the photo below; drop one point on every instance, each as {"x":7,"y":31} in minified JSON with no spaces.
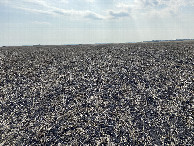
{"x":38,"y":2}
{"x":161,"y":8}
{"x":31,"y":10}
{"x":64,"y":1}
{"x":118,"y":14}
{"x":92,"y":15}
{"x":83,"y":14}
{"x":54,"y":11}
{"x":41,"y":23}
{"x":90,"y":1}
{"x":122,"y":8}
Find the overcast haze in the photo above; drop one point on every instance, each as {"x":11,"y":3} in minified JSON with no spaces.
{"x":28,"y":22}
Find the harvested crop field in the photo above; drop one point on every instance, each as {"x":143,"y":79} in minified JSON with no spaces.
{"x":114,"y":94}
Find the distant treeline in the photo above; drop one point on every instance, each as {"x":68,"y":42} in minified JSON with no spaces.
{"x":169,"y":40}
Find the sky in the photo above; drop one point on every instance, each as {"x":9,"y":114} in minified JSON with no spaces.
{"x":58,"y":22}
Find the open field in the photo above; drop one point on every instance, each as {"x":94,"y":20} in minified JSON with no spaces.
{"x":114,"y":94}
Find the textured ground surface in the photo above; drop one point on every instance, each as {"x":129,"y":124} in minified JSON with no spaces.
{"x":121,"y":94}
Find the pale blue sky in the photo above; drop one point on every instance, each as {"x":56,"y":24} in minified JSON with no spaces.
{"x":28,"y":22}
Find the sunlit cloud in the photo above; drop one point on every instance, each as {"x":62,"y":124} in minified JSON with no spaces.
{"x":161,"y":8}
{"x":120,"y":8}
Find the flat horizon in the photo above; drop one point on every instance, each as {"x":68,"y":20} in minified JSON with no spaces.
{"x":153,"y":41}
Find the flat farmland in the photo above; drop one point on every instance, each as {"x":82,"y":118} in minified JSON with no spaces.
{"x":108,"y":94}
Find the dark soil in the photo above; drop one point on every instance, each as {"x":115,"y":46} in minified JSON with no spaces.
{"x":115,"y":94}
